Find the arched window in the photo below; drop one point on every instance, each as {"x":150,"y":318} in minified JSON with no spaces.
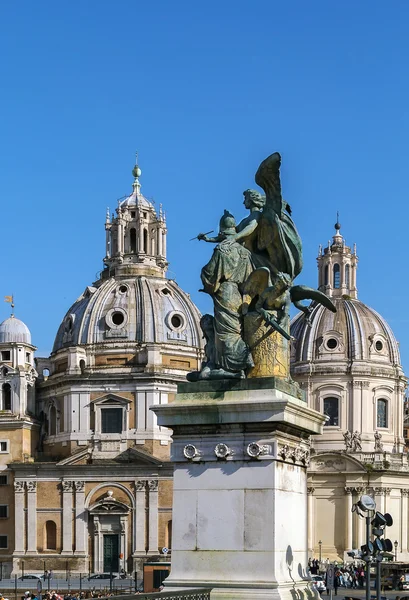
{"x":6,"y":396}
{"x":326,"y":275}
{"x":337,"y":277}
{"x":331,"y":410}
{"x":145,"y":240}
{"x":50,"y":535}
{"x":169,"y":535}
{"x":382,"y":413}
{"x":53,"y":421}
{"x":133,"y":240}
{"x":82,"y":366}
{"x":347,"y":275}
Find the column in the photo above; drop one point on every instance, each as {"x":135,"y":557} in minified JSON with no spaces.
{"x":32,"y":516}
{"x":348,"y":519}
{"x":404,"y":521}
{"x":97,"y":536}
{"x":140,"y":517}
{"x":67,"y":517}
{"x":80,"y":518}
{"x":310,"y":532}
{"x":387,"y":492}
{"x":164,"y":243}
{"x":153,"y":485}
{"x":159,"y":241}
{"x":123,"y":542}
{"x":379,"y":499}
{"x":19,"y":520}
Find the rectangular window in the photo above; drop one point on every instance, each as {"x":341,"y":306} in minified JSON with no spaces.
{"x":4,"y":511}
{"x":6,"y":355}
{"x":111,"y":420}
{"x":3,"y":480}
{"x":4,"y":446}
{"x":382,"y":413}
{"x":331,"y":411}
{"x":28,"y":357}
{"x":3,"y":541}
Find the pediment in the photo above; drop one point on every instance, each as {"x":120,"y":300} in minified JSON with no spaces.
{"x":332,"y":462}
{"x":78,"y":458}
{"x":109,"y":505}
{"x":111,"y":399}
{"x":135,"y":456}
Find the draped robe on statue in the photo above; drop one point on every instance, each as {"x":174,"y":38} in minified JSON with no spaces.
{"x":222,"y":277}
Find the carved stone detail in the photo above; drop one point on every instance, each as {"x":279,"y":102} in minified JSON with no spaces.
{"x":19,"y":486}
{"x":67,"y":486}
{"x":79,"y":486}
{"x":153,"y":485}
{"x":405,"y":492}
{"x":140,"y":485}
{"x":310,"y":490}
{"x":296,"y":454}
{"x":387,"y":491}
{"x":31,"y":486}
{"x":349,"y":490}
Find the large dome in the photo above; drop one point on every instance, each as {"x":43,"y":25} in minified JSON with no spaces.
{"x":136,"y":309}
{"x":13,"y":330}
{"x":354,"y":333}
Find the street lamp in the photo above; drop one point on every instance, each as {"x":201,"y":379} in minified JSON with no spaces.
{"x":396,"y":543}
{"x":320,"y":545}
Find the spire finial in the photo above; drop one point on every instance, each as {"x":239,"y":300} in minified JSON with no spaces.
{"x":136,"y":172}
{"x":337,"y":224}
{"x":10,"y":300}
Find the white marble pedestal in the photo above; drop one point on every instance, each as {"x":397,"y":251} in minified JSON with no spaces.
{"x":240,"y":521}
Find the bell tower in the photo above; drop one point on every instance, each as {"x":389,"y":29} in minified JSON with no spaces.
{"x":135,"y":236}
{"x":337,"y":266}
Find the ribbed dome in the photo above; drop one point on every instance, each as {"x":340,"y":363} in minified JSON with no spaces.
{"x":14,"y":330}
{"x":139,"y":309}
{"x":354,"y":333}
{"x":136,"y":199}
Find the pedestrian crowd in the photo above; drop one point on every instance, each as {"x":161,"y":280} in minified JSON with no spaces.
{"x":348,"y":576}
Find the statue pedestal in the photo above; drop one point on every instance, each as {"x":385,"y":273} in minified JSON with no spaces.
{"x":240,"y":504}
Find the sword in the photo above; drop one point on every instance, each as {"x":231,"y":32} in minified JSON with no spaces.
{"x":274,"y":327}
{"x":197,"y":237}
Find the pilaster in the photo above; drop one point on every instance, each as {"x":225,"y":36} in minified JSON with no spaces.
{"x":67,"y":487}
{"x":404,"y":521}
{"x":80,"y":518}
{"x":140,"y":516}
{"x":31,"y":517}
{"x":153,"y":486}
{"x":19,"y":521}
{"x":348,"y":518}
{"x":311,"y":525}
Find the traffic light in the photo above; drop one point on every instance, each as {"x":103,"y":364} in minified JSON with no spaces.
{"x":379,"y":522}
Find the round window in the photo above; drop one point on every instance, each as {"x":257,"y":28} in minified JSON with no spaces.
{"x":123,"y":289}
{"x":332,"y":343}
{"x":379,"y":345}
{"x":176,"y":320}
{"x":117,"y":318}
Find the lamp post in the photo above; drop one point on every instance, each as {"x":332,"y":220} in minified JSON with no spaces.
{"x":320,"y":545}
{"x":396,"y":543}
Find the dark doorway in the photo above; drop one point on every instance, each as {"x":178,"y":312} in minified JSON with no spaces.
{"x":111,"y":553}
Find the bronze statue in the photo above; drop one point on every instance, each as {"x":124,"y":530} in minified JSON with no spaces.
{"x":250,"y":278}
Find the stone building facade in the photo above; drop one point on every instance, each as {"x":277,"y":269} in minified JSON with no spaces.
{"x":85,"y":473}
{"x":348,"y":364}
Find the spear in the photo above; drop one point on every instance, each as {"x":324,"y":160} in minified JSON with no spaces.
{"x":197,"y":237}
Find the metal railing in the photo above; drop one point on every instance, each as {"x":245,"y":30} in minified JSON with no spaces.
{"x":188,"y":594}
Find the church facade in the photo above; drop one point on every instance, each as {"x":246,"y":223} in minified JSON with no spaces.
{"x":85,"y":472}
{"x":85,"y":477}
{"x":348,"y":364}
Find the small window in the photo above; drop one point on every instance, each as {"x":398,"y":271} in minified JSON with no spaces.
{"x":4,"y":446}
{"x":4,"y":371}
{"x":347,"y":275}
{"x":28,"y":357}
{"x":331,"y":410}
{"x":111,"y":420}
{"x":332,"y":343}
{"x":337,"y":277}
{"x":133,"y":240}
{"x":133,"y":214}
{"x":4,"y":511}
{"x":6,"y":355}
{"x":145,"y":240}
{"x":326,"y":275}
{"x":176,"y":321}
{"x":3,"y":480}
{"x":145,"y":215}
{"x":382,"y":413}
{"x":3,"y":541}
{"x":379,"y":345}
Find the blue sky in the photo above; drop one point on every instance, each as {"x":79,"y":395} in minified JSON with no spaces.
{"x":204,"y":92}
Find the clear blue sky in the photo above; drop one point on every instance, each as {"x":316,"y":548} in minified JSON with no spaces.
{"x":204,"y":91}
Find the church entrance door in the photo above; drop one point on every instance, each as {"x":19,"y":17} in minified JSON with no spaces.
{"x":111,"y":553}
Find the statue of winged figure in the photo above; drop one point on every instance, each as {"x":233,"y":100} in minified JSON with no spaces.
{"x":250,"y":278}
